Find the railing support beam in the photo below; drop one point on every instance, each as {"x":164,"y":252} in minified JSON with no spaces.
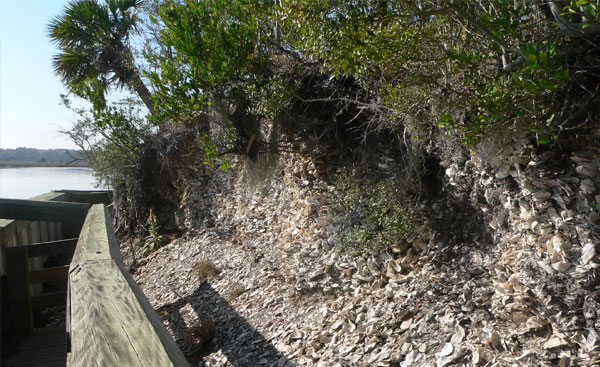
{"x":43,"y":211}
{"x":19,"y":292}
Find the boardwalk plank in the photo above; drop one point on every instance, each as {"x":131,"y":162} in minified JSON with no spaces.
{"x":47,"y":348}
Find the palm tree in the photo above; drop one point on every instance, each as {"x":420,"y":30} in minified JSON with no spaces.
{"x":93,"y":40}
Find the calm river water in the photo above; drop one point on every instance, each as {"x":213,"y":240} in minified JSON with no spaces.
{"x":27,"y":182}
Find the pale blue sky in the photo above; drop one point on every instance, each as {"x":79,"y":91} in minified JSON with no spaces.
{"x":30,"y":114}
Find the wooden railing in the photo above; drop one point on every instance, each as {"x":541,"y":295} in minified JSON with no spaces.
{"x":24,"y":280}
{"x":23,"y":305}
{"x":31,"y":221}
{"x":109,"y":320}
{"x":15,"y":232}
{"x":46,"y":211}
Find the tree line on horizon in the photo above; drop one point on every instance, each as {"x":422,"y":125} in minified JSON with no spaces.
{"x":22,"y":154}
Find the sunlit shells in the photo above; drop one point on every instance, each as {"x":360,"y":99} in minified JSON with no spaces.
{"x":519,"y":317}
{"x":504,"y":287}
{"x":406,"y":324}
{"x":475,"y":358}
{"x":588,"y":253}
{"x":458,"y":336}
{"x":556,"y":219}
{"x":561,"y":266}
{"x":446,"y":350}
{"x":555,"y":341}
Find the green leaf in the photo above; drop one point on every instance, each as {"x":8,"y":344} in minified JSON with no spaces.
{"x":516,"y":78}
{"x":548,"y":84}
{"x":544,"y":140}
{"x":590,"y":10}
{"x":544,"y":57}
{"x":446,"y":120}
{"x":534,"y":128}
{"x":530,"y":87}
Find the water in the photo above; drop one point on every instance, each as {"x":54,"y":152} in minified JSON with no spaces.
{"x":27,"y":182}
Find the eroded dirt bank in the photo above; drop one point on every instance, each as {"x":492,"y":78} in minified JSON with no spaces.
{"x":503,"y":271}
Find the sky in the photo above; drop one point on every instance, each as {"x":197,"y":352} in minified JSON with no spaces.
{"x":30,"y":114}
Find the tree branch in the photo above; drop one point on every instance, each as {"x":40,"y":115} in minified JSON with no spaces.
{"x":582,"y":113}
{"x":506,"y":64}
{"x":568,"y":28}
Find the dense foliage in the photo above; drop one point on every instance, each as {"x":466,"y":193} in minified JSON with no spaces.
{"x":330,"y":73}
{"x":471,"y":68}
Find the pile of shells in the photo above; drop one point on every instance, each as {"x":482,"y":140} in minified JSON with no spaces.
{"x":519,"y":291}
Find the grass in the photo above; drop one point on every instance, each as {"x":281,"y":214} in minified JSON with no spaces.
{"x":205,"y":270}
{"x":236,"y":290}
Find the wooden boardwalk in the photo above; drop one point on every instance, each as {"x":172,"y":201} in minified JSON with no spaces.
{"x":109,"y":321}
{"x":32,"y":232}
{"x":46,"y":348}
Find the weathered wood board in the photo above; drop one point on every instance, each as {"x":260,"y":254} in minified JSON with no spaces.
{"x":59,"y":247}
{"x":48,"y":211}
{"x":58,"y":273}
{"x":88,"y":196}
{"x":96,"y":242}
{"x":110,"y":320}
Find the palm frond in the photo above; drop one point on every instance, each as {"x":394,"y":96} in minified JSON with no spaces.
{"x":92,"y":42}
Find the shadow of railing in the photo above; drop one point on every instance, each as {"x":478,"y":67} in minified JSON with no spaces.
{"x":238,"y":341}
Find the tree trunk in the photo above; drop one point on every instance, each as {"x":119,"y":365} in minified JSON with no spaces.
{"x":131,"y":75}
{"x":140,"y":88}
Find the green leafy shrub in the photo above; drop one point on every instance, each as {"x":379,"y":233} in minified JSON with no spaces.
{"x":372,"y":214}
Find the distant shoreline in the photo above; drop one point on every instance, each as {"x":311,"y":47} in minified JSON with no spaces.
{"x":22,"y":164}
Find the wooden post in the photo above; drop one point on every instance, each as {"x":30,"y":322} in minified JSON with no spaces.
{"x":17,"y":269}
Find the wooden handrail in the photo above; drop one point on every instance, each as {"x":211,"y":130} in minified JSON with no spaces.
{"x":49,"y":211}
{"x":110,"y":322}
